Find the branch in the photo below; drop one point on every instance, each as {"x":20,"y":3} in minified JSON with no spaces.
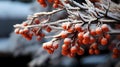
{"x":115,"y":32}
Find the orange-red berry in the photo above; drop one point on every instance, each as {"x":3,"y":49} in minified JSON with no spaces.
{"x":48,"y":29}
{"x":78,"y":27}
{"x":17,"y":30}
{"x":98,"y":31}
{"x":49,"y":45}
{"x":55,"y":5}
{"x":55,"y":46}
{"x":94,"y":45}
{"x":80,"y":35}
{"x":71,"y":55}
{"x":73,"y":49}
{"x":37,"y":21}
{"x":50,"y":51}
{"x":64,"y":26}
{"x":92,"y":32}
{"x":115,"y":51}
{"x":71,"y":30}
{"x":86,"y":36}
{"x":91,"y":51}
{"x":80,"y":51}
{"x":97,"y":51}
{"x":64,"y":47}
{"x":67,"y":41}
{"x":50,"y":1}
{"x":114,"y":56}
{"x":65,"y":52}
{"x":104,"y":28}
{"x":107,"y":36}
{"x":44,"y":46}
{"x":104,"y":41}
{"x":92,"y":40}
{"x":64,"y":34}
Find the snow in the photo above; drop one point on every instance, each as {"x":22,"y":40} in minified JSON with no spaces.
{"x":10,"y":9}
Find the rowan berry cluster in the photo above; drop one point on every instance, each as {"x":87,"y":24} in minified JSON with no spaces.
{"x":36,"y":31}
{"x":76,"y":36}
{"x":71,"y":49}
{"x":51,"y":46}
{"x":55,"y":3}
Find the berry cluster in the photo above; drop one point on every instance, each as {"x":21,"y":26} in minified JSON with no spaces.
{"x":70,"y":49}
{"x":51,"y":46}
{"x":27,"y":32}
{"x":55,"y":3}
{"x":116,"y":53}
{"x":76,"y":37}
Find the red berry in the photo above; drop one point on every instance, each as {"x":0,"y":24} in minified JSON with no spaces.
{"x":25,"y":30}
{"x":55,"y":45}
{"x":105,"y":28}
{"x":73,"y":49}
{"x":48,"y":29}
{"x":86,"y":36}
{"x":67,"y":41}
{"x":91,"y":51}
{"x":85,"y":41}
{"x":80,"y":51}
{"x":78,"y":27}
{"x":50,"y":51}
{"x":92,"y":40}
{"x":98,"y":31}
{"x":50,"y":1}
{"x":107,"y":36}
{"x":41,"y":1}
{"x":55,"y":5}
{"x":24,"y":23}
{"x":71,"y":55}
{"x":94,"y":45}
{"x":64,"y":26}
{"x":37,"y":21}
{"x":65,"y":52}
{"x":93,"y":32}
{"x":44,"y":5}
{"x":104,"y":41}
{"x":64,"y":34}
{"x":71,"y":30}
{"x":17,"y":30}
{"x":80,"y":35}
{"x":97,"y":51}
{"x":44,"y":46}
{"x":49,"y":45}
{"x":115,"y":51}
{"x":64,"y":47}
{"x":115,"y":56}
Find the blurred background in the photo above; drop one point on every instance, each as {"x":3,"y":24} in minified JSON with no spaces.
{"x":16,"y":51}
{"x":12,"y":12}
